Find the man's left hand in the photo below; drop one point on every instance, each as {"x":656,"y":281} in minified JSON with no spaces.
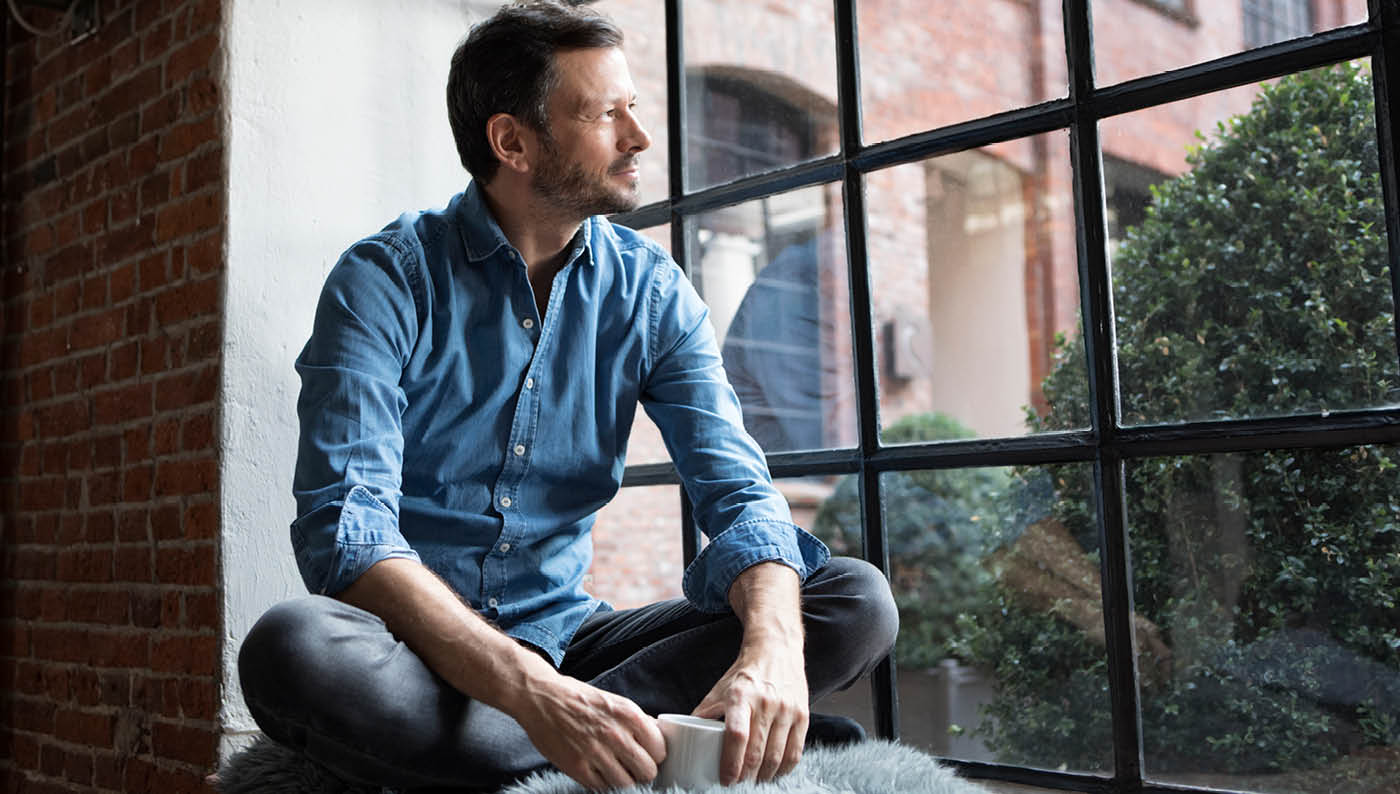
{"x":762,"y":698}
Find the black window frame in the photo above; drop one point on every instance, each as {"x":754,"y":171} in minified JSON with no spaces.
{"x":1107,"y":444}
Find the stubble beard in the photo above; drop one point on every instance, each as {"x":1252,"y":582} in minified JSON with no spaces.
{"x":567,"y":187}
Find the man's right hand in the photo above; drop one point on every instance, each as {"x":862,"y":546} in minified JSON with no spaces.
{"x":602,"y":740}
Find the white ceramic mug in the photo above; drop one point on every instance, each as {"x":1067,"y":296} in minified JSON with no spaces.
{"x":693,"y":746}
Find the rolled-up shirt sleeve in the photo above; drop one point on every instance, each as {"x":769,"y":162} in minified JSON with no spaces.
{"x":350,"y":451}
{"x":687,"y":395}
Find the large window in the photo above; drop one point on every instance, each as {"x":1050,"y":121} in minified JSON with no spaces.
{"x":1093,"y":354}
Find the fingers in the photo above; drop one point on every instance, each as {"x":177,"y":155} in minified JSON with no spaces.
{"x":797,"y":737}
{"x":736,"y":744}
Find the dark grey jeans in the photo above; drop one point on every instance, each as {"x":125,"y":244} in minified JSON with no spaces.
{"x":330,"y":680}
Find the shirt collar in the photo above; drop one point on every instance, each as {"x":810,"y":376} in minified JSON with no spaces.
{"x":483,"y":237}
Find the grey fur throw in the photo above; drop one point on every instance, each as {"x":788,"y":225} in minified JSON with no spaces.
{"x":870,"y":767}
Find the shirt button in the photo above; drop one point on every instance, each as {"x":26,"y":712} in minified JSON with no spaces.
{"x":505,"y":501}
{"x":504,"y":547}
{"x":529,"y":383}
{"x":493,"y":603}
{"x":528,"y":323}
{"x":520,"y":449}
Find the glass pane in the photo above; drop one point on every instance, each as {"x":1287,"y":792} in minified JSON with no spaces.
{"x":1249,"y":271}
{"x":996,"y":574}
{"x":1266,"y":587}
{"x":972,"y":58}
{"x":645,"y":444}
{"x":854,"y":702}
{"x":643,"y":26}
{"x":637,"y":554}
{"x":976,"y":291}
{"x":1133,"y":38}
{"x":760,"y":87}
{"x":773,"y":272}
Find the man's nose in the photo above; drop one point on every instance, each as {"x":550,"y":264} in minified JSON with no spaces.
{"x":637,"y":139}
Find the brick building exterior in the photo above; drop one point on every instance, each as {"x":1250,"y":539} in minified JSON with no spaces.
{"x":974,"y":252}
{"x":114,"y":221}
{"x":113,"y":275}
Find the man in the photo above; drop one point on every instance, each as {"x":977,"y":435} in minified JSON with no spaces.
{"x":467,"y":393}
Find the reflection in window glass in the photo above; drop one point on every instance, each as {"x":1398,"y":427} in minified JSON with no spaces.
{"x":1001,"y":642}
{"x":976,"y":291}
{"x":1135,"y":38}
{"x":922,"y":70}
{"x":1268,"y":584}
{"x":646,"y":517}
{"x":1256,"y":283}
{"x":773,"y":273}
{"x":761,"y":87}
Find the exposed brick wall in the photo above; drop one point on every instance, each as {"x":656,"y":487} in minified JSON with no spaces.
{"x":113,"y":279}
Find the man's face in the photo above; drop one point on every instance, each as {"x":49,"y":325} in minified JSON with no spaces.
{"x":587,"y":164}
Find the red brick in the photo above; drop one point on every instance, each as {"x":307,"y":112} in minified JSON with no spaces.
{"x":155,"y":41}
{"x":62,"y":419}
{"x":206,"y":255}
{"x":84,"y":727}
{"x":146,"y":610}
{"x":133,"y":563}
{"x":124,"y":361}
{"x":125,"y":242}
{"x":201,"y":611}
{"x":197,"y":746}
{"x":205,"y":169}
{"x":191,"y":299}
{"x":188,"y":655}
{"x":136,"y":483}
{"x":188,"y":389}
{"x":85,"y":565}
{"x":78,"y":767}
{"x":194,"y":56}
{"x":119,"y":649}
{"x":130,"y":93}
{"x":123,"y":404}
{"x":99,"y":527}
{"x":107,"y":451}
{"x":94,"y":291}
{"x":133,"y":526}
{"x":189,"y":566}
{"x":68,"y":263}
{"x":165,"y":437}
{"x":194,"y":215}
{"x":201,"y":521}
{"x":186,"y":477}
{"x":96,"y":330}
{"x":155,"y":271}
{"x":136,"y":444}
{"x":123,"y":283}
{"x":161,"y":114}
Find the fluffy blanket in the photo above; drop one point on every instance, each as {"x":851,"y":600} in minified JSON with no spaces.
{"x":870,"y":767}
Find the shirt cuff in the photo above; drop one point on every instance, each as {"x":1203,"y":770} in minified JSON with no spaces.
{"x":339,"y":541}
{"x":742,"y":546}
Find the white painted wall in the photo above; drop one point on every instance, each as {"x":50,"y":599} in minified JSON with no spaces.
{"x":337,"y":125}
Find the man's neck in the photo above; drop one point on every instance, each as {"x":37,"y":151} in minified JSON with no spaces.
{"x":540,"y":235}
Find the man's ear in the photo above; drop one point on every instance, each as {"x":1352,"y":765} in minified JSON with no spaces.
{"x":512,"y":142}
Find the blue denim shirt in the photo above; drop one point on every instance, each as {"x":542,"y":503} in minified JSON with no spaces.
{"x":443,"y":421}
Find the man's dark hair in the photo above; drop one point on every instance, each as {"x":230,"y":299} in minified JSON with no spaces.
{"x":506,"y":65}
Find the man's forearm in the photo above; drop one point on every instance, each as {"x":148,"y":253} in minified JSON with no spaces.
{"x":767,"y":600}
{"x":450,"y":637}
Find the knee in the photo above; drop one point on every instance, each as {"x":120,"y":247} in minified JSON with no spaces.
{"x":282,"y":645}
{"x":853,"y":610}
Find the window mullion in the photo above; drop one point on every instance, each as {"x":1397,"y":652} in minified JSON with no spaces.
{"x":1385,"y":78}
{"x":882,"y":681}
{"x":1097,"y":310}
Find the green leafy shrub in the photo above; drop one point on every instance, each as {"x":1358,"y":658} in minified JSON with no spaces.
{"x":1256,"y":286}
{"x":940,"y":526}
